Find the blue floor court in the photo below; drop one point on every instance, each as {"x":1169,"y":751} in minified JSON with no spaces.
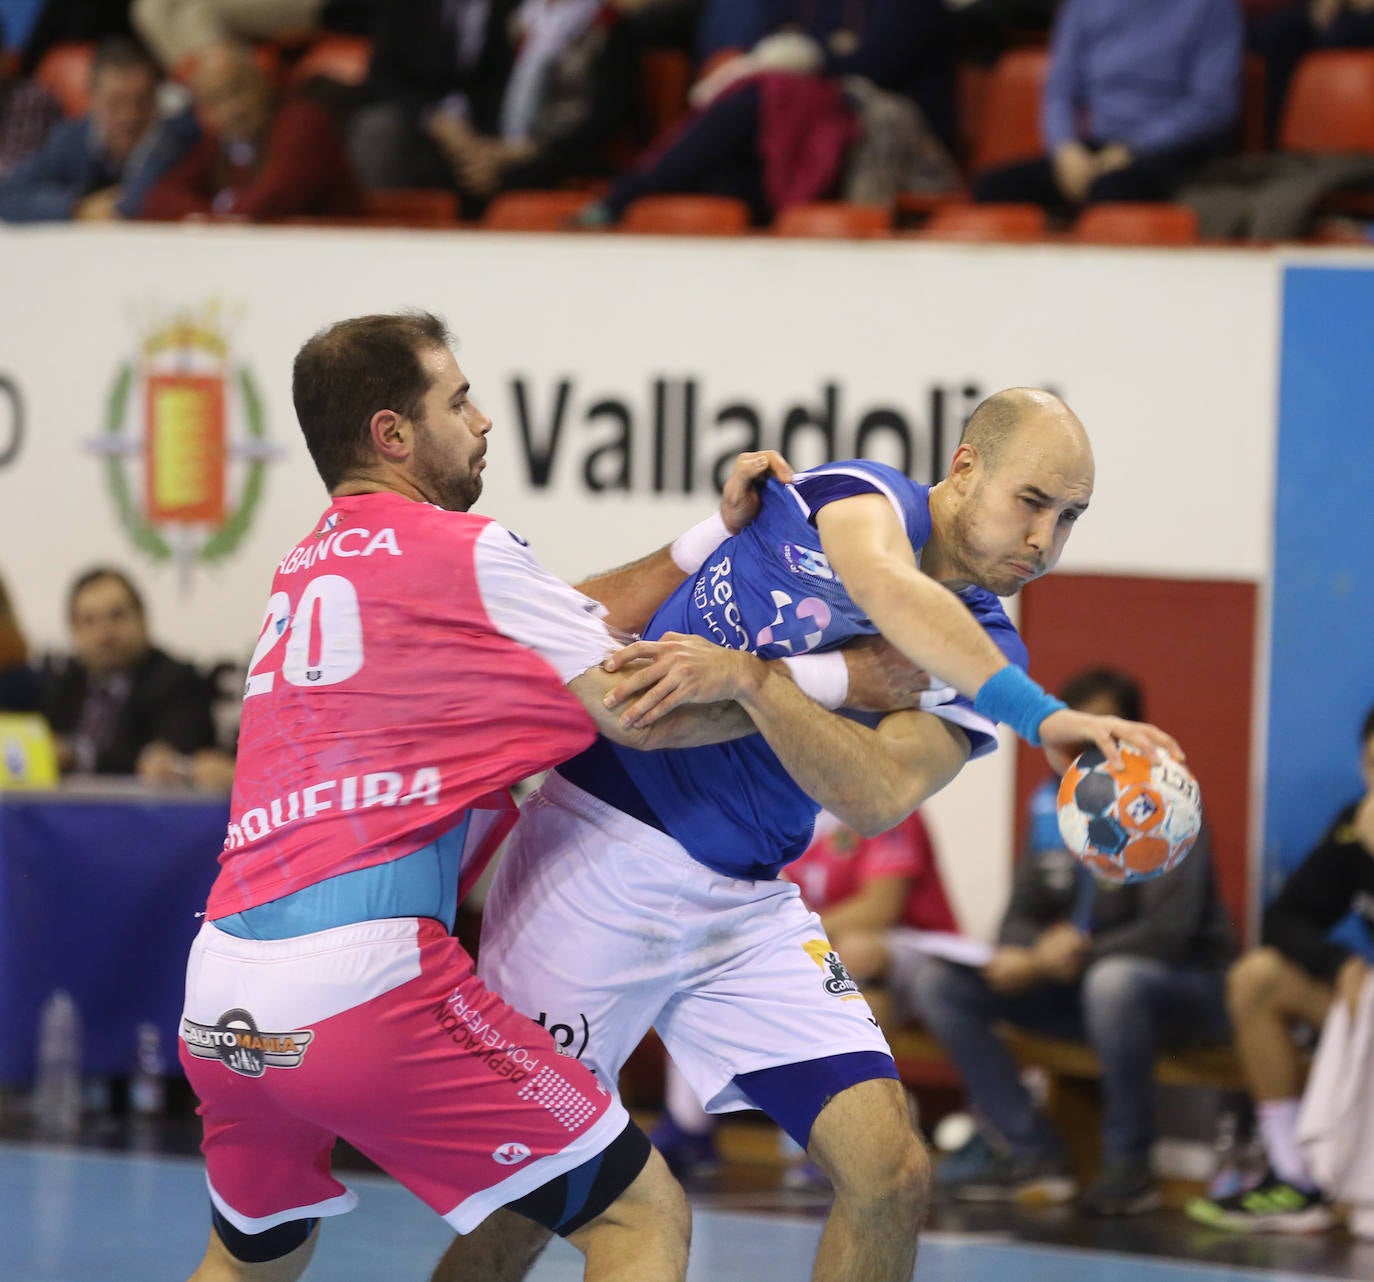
{"x":74,"y":1215}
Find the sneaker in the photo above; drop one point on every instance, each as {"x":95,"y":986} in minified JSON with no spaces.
{"x":687,"y":1153}
{"x":1272,"y":1206}
{"x":979,"y":1173}
{"x":1123,"y":1188}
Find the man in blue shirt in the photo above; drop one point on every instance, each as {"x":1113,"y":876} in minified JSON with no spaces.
{"x":1137,"y":96}
{"x":101,"y":166}
{"x":645,"y":892}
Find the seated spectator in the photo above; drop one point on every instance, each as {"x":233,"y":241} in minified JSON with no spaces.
{"x":101,"y":167}
{"x":1128,"y":968}
{"x":855,"y":885}
{"x":571,"y":91}
{"x":176,"y":30}
{"x":120,"y":705}
{"x":19,"y":689}
{"x":1293,"y":979}
{"x":27,"y":112}
{"x":1138,"y":98}
{"x":775,"y":126}
{"x":432,"y":61}
{"x":260,"y":158}
{"x":1284,"y":38}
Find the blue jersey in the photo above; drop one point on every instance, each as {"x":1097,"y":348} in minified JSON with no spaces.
{"x":769,"y":589}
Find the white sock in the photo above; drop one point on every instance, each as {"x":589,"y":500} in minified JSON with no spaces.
{"x":1278,"y":1119}
{"x":683,"y":1106}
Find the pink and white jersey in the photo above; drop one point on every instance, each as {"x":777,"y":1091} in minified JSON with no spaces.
{"x":411,"y":667}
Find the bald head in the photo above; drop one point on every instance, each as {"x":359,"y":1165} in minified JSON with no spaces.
{"x":1025,"y":416}
{"x":1022,"y":476}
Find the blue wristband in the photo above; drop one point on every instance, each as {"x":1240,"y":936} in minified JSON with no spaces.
{"x":1013,"y":699}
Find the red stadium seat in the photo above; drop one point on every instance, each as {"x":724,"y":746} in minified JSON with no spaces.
{"x":1250,"y":132}
{"x":834,"y":220}
{"x":1009,"y":124}
{"x":986,"y":222}
{"x":66,"y":70}
{"x":1127,"y":224}
{"x":342,"y":58}
{"x":665,"y":75}
{"x":533,"y":210}
{"x":687,"y":216}
{"x":1330,"y":106}
{"x":412,"y":207}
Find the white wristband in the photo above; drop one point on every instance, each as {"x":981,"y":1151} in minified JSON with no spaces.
{"x":825,"y":677}
{"x":691,"y":548}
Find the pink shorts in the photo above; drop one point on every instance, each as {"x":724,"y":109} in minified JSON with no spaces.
{"x":381,"y":1034}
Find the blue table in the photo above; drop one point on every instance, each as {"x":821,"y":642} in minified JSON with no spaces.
{"x":99,"y":891}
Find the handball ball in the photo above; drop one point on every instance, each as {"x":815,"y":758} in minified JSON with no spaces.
{"x":1133,"y":823}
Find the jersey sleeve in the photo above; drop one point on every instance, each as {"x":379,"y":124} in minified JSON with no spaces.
{"x":535,"y":608}
{"x":958,"y":709}
{"x":831,"y":482}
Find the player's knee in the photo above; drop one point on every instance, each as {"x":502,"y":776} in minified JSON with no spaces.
{"x":889,"y":1176}
{"x":872,"y":1153}
{"x":1252,"y":984}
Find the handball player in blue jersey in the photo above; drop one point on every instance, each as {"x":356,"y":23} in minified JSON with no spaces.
{"x":642,"y":889}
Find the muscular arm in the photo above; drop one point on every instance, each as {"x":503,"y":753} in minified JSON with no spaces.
{"x":633,"y":592}
{"x":868,"y":779}
{"x":687,"y":727}
{"x":871,"y":553}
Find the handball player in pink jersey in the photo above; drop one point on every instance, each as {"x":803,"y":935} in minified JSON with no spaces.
{"x":414,"y":661}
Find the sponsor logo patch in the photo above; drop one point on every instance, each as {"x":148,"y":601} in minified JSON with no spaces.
{"x":837,"y":980}
{"x":239,"y":1044}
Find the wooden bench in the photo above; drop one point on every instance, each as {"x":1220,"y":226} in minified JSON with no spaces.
{"x":1073,"y":1074}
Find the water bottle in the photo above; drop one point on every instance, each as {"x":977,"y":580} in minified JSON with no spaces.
{"x":57,"y":1085}
{"x":147,"y":1090}
{"x":1228,"y":1178}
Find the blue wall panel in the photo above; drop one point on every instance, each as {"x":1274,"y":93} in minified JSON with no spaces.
{"x":1322,"y":679}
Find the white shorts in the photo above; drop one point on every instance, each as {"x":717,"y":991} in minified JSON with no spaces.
{"x":599,"y":927}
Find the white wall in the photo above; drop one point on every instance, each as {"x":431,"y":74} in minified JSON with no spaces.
{"x":1168,"y":358}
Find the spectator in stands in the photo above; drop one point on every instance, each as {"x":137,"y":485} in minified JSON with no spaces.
{"x":1129,"y":968}
{"x":120,"y":705}
{"x":775,"y":126}
{"x":1293,"y":979}
{"x":27,"y":112}
{"x":432,"y":61}
{"x":176,"y":30}
{"x":1138,"y":98}
{"x":261,"y":157}
{"x":1284,"y":38}
{"x":856,"y":885}
{"x":101,"y":167}
{"x":19,"y":688}
{"x":570,"y":92}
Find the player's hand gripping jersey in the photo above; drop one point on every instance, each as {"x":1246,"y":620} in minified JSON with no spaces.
{"x":411,"y":666}
{"x":770,"y":589}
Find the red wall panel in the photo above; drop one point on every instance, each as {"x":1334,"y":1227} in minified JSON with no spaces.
{"x":1191,"y":644}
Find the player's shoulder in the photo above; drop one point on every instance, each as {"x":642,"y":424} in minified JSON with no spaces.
{"x":871,"y":471}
